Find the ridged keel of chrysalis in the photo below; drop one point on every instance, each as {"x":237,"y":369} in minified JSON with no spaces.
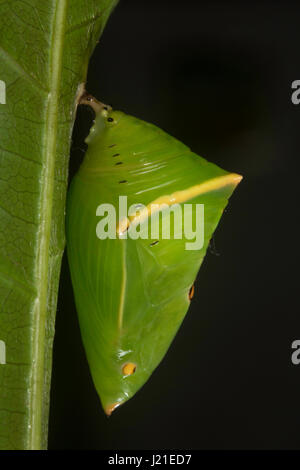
{"x":132,"y":294}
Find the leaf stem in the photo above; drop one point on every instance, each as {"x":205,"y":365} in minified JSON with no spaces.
{"x":36,"y":440}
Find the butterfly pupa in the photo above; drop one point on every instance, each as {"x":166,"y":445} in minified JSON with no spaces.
{"x":132,"y":292}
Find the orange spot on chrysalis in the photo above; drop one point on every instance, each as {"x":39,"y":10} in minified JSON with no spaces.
{"x":129,"y":368}
{"x":191,"y":292}
{"x":110,"y":408}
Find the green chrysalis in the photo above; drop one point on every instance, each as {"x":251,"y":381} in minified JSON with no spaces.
{"x":133,"y":290}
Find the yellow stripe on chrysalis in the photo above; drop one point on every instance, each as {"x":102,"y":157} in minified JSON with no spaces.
{"x":178,"y":197}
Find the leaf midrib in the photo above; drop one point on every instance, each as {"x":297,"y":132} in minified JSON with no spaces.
{"x":42,"y":263}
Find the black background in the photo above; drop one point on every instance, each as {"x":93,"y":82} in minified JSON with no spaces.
{"x":216,"y":75}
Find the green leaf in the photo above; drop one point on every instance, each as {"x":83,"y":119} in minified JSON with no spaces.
{"x":44,"y":51}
